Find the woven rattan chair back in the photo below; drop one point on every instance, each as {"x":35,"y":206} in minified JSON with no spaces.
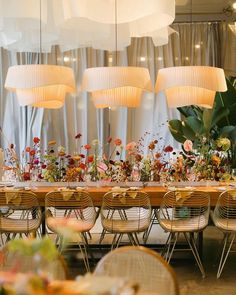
{"x":78,"y":206}
{"x":126,"y":212}
{"x":188,"y":210}
{"x":225,"y":210}
{"x":19,"y":212}
{"x":141,"y":266}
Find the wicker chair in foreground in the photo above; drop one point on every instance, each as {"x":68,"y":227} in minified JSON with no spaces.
{"x":142,"y":266}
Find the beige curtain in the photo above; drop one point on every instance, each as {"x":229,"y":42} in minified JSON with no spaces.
{"x":195,"y":44}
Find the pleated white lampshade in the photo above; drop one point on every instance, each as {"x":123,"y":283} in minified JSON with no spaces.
{"x":191,"y":85}
{"x":116,"y":86}
{"x":40,"y":85}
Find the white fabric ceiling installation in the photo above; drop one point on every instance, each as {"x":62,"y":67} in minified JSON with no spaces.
{"x":83,"y":23}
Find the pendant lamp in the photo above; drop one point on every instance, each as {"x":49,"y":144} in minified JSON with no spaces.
{"x":40,"y":85}
{"x":116,"y":86}
{"x":191,"y":85}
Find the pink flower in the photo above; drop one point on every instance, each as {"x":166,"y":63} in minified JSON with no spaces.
{"x":130,"y":146}
{"x":188,"y":145}
{"x":102,"y":167}
{"x":117,"y":141}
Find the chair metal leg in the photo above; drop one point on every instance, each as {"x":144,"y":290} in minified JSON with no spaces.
{"x":194,"y":250}
{"x":102,"y":236}
{"x":175,"y":236}
{"x":166,"y":247}
{"x":119,"y":240}
{"x":224,"y":255}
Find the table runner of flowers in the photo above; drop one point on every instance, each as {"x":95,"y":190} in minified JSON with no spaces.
{"x":122,"y":164}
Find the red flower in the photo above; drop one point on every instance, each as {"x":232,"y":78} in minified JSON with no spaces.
{"x":26,"y":176}
{"x":109,"y":139}
{"x":168,"y":149}
{"x":118,"y":141}
{"x":78,"y":136}
{"x":32,"y":152}
{"x":27,"y":149}
{"x":82,"y":166}
{"x":87,"y":146}
{"x":82,"y":156}
{"x":36,"y":161}
{"x":44,"y":166}
{"x":36,"y":140}
{"x":90,"y":159}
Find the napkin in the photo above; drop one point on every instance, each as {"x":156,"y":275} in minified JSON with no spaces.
{"x":68,"y":193}
{"x":182,"y":196}
{"x":12,"y":196}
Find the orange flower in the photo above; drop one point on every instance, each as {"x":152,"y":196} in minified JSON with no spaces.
{"x":51,"y":142}
{"x":151,"y":146}
{"x":27,"y":149}
{"x":90,"y":158}
{"x":87,"y":146}
{"x":118,"y":141}
{"x":216,"y":160}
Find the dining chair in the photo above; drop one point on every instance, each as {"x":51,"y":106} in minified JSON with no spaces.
{"x":187,"y":213}
{"x":71,"y":211}
{"x":140,"y":266}
{"x":125,"y":212}
{"x":224,"y":218}
{"x":20,"y":214}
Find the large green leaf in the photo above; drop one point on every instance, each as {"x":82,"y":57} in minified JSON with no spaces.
{"x":188,"y":132}
{"x":195,"y":124}
{"x":175,"y":127}
{"x":207,"y":119}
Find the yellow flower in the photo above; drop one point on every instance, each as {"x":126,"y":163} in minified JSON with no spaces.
{"x":76,"y":158}
{"x":216,"y":160}
{"x":52,"y":142}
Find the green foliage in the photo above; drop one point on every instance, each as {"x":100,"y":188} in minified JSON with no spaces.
{"x":29,"y":247}
{"x":198,"y":123}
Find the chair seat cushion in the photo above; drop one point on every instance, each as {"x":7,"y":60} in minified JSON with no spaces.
{"x":11,"y":225}
{"x":125,"y":226}
{"x":184,"y":224}
{"x":55,"y":224}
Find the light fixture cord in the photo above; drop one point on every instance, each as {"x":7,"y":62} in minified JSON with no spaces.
{"x":116,"y":33}
{"x":40,"y":31}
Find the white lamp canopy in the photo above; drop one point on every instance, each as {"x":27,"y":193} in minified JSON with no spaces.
{"x":81,"y":23}
{"x":116,"y":86}
{"x":191,"y":85}
{"x":40,"y":85}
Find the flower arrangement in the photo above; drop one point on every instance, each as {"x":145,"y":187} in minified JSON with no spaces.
{"x":113,"y":162}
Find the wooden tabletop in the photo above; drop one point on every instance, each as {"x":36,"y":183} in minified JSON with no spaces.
{"x":155,"y":193}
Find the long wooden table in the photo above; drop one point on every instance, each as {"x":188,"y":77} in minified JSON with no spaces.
{"x":155,"y":193}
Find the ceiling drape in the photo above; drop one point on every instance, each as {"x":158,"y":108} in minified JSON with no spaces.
{"x":195,"y":44}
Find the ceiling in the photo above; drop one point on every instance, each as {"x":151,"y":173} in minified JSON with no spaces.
{"x":203,"y":10}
